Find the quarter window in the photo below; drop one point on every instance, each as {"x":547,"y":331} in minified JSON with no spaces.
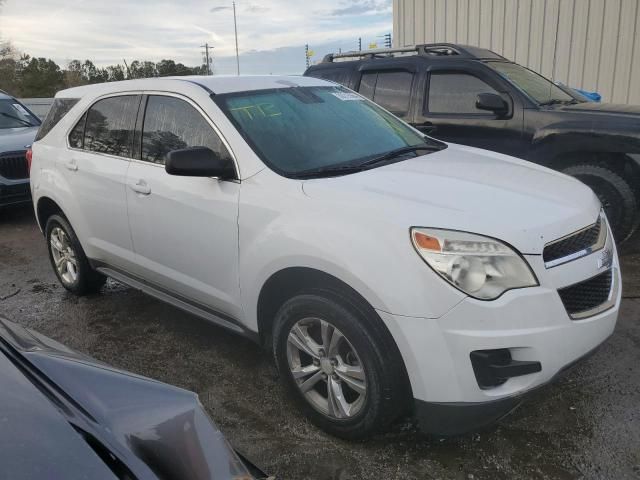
{"x":390,"y":90}
{"x":456,"y":93}
{"x":76,"y":137}
{"x":109,"y":125}
{"x":171,"y":124}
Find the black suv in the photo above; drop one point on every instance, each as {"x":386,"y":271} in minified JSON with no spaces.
{"x":473,"y":96}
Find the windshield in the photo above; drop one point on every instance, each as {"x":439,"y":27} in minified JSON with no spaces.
{"x":538,"y":88}
{"x":14,"y":115}
{"x":302,"y":129}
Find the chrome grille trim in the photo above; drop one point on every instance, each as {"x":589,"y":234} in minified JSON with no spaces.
{"x":598,"y":245}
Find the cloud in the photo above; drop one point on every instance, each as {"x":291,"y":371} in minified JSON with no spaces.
{"x":358,"y":7}
{"x":107,"y":32}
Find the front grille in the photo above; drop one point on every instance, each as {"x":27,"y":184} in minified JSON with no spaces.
{"x":14,"y":166}
{"x":571,"y":244}
{"x":587,"y":295}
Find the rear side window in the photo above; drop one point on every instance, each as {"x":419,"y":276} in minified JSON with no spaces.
{"x":76,"y":137}
{"x":59,"y":109}
{"x":456,"y":93}
{"x":172,"y":124}
{"x":390,"y":90}
{"x":109,"y":125}
{"x":340,"y":75}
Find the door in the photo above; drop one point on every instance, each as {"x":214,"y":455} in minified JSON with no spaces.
{"x":391,"y":89}
{"x":450,"y":107}
{"x":184,"y":229}
{"x":96,"y":169}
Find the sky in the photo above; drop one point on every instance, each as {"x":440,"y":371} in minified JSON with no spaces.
{"x":271,"y":33}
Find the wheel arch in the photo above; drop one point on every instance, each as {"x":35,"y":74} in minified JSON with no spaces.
{"x":46,"y":207}
{"x":290,"y":281}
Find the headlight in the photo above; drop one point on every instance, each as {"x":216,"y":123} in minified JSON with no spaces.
{"x":481,"y":267}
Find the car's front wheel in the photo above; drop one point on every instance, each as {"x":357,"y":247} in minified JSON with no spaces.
{"x":68,"y":259}
{"x":615,"y":194}
{"x":340,"y":371}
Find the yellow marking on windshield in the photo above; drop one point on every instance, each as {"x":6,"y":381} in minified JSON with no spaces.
{"x":263,"y":110}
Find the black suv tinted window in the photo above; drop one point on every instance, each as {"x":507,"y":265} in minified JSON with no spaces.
{"x":172,"y":124}
{"x":59,"y":109}
{"x":391,"y":90}
{"x":456,"y":93}
{"x":109,"y":127}
{"x":340,"y":76}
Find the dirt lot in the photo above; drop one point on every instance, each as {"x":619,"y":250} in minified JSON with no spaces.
{"x":587,"y":425}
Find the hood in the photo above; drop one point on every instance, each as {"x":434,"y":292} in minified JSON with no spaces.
{"x":36,"y":441}
{"x":468,"y":189}
{"x":16,"y":139}
{"x":611,"y":108}
{"x":157,"y":430}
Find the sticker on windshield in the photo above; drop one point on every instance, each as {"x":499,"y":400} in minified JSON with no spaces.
{"x":346,"y":96}
{"x":21,"y":109}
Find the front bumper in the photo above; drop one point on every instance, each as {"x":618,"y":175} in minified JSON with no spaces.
{"x":14,"y":192}
{"x":531,"y":323}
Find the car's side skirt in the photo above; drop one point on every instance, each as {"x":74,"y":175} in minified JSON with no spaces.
{"x":175,"y":300}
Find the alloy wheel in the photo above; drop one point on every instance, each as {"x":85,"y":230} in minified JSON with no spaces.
{"x":64,"y":256}
{"x":326,"y":368}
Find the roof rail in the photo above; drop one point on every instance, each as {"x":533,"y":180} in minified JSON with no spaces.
{"x":429,"y":49}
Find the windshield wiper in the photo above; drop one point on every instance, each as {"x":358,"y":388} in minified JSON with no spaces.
{"x":400,"y":151}
{"x":557,"y":101}
{"x":25,"y":122}
{"x":358,"y":167}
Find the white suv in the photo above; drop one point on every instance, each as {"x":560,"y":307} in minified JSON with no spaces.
{"x":387,"y":271}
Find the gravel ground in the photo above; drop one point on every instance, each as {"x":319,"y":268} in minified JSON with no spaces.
{"x":587,"y":425}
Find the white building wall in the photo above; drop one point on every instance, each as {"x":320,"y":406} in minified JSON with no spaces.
{"x":589,"y":44}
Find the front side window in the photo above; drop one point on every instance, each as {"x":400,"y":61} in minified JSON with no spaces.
{"x":14,"y":115}
{"x":298,"y":129}
{"x":109,"y":126}
{"x":538,"y":88}
{"x":172,"y":124}
{"x":390,"y":90}
{"x":456,"y":93}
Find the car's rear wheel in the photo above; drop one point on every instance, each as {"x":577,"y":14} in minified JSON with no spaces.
{"x":68,"y":259}
{"x":615,"y":194}
{"x":339,"y":371}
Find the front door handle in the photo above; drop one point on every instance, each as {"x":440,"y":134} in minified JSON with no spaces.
{"x":426,"y":127}
{"x":71,"y":165}
{"x":140,"y":187}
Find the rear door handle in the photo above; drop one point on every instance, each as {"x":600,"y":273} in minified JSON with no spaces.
{"x":140,"y":187}
{"x":71,"y":165}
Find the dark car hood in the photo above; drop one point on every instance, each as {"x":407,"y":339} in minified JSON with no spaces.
{"x":606,"y":108}
{"x":157,"y":430}
{"x":36,"y":441}
{"x":16,"y":139}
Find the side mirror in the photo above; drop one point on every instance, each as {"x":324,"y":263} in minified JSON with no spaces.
{"x":492,"y":102}
{"x":198,"y":162}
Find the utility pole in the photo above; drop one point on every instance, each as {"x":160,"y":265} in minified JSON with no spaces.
{"x":360,"y":44}
{"x":235,"y":27}
{"x":206,"y":57}
{"x":387,"y":40}
{"x":306,"y":53}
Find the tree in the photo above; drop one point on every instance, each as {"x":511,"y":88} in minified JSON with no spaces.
{"x":39,"y":77}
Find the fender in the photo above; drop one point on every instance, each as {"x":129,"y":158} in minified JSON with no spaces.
{"x":599,"y":134}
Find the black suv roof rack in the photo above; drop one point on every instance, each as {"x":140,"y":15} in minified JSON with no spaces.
{"x":425,"y":50}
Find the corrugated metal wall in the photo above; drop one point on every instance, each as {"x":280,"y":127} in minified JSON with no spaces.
{"x":589,"y":44}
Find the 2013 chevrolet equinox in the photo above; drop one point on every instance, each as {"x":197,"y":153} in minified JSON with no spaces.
{"x":386,"y":270}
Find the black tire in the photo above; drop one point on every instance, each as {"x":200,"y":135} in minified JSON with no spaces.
{"x":615,"y":194}
{"x":86,"y":279}
{"x":384,"y":372}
